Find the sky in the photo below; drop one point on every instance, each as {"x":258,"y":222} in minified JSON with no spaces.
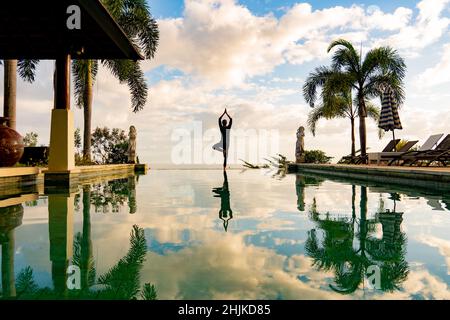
{"x":252,"y":57}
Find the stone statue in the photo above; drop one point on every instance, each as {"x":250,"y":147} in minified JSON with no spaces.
{"x":300,"y":148}
{"x":132,"y":145}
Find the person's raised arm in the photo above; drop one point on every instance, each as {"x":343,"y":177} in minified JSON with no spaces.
{"x":230,"y":124}
{"x":221,"y":117}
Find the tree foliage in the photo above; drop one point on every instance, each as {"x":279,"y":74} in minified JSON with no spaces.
{"x":110,"y":146}
{"x":30,"y":139}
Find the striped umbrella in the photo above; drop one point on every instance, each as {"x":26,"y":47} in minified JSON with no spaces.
{"x":389,"y":118}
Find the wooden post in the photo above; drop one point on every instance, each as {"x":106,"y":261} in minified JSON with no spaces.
{"x":62,"y":82}
{"x":9,"y":98}
{"x":62,"y":156}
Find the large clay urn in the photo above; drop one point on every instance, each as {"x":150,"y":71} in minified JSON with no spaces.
{"x":11,"y":145}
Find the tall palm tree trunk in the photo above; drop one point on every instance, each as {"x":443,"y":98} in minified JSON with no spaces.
{"x":362,"y":136}
{"x":362,"y":112}
{"x":9,"y":95}
{"x":88,"y":113}
{"x":353,"y":136}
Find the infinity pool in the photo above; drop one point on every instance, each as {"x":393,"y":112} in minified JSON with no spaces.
{"x":200,"y":234}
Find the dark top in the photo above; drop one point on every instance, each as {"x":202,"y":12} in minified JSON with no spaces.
{"x":223,"y":131}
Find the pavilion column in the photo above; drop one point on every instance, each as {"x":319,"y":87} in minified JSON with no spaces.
{"x":62,"y":156}
{"x":60,"y":215}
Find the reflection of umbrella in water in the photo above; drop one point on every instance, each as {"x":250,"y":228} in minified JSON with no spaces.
{"x":225,"y":213}
{"x":391,"y":222}
{"x":394,"y":197}
{"x":389,"y":118}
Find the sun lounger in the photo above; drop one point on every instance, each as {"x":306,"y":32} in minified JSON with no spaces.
{"x":391,"y":145}
{"x":384,"y":156}
{"x":363,"y":160}
{"x":409,"y":156}
{"x":349,"y":159}
{"x":440,"y":154}
{"x":360,"y":159}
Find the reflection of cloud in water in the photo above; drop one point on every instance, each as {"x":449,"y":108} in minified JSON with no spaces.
{"x":443,"y":247}
{"x":226,"y":268}
{"x":164,"y":248}
{"x":287,"y":243}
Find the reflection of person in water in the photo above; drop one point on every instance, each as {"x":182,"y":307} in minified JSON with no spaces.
{"x":225,"y":213}
{"x":225,"y":128}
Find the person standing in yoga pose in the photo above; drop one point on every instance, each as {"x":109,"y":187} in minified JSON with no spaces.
{"x":225,"y":128}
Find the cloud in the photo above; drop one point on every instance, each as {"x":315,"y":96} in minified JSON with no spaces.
{"x":438,"y":74}
{"x":224,"y":43}
{"x":428,"y":27}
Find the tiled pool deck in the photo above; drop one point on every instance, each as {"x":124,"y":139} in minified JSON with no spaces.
{"x":21,"y":177}
{"x":423,"y":177}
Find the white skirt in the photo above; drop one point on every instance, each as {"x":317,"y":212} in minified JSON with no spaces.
{"x":219,"y":146}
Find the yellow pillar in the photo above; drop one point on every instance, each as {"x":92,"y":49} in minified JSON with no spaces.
{"x":62,"y":157}
{"x":60,"y":210}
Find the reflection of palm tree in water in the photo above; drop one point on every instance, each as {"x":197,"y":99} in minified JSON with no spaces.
{"x":337,"y":252}
{"x":225,"y":213}
{"x":122,"y":281}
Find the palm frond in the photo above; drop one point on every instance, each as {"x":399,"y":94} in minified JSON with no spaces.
{"x":27,"y":69}
{"x":25,"y":284}
{"x":345,"y":57}
{"x":375,"y":83}
{"x":130,"y":72}
{"x":122,"y":280}
{"x":374,"y":112}
{"x":136,"y":20}
{"x":384,"y":60}
{"x":84,"y":72}
{"x":315,"y":80}
{"x":149,"y":292}
{"x":313,"y":118}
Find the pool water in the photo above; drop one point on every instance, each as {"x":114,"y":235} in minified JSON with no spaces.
{"x":200,"y":234}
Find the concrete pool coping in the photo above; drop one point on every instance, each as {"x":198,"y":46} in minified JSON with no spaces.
{"x":26,"y":176}
{"x":423,"y":177}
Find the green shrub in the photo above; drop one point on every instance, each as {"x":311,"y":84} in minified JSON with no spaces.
{"x":317,"y":157}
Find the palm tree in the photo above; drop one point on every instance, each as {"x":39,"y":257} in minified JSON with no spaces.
{"x":340,"y":105}
{"x":381,"y":67}
{"x":136,"y":20}
{"x":121,"y":282}
{"x":27,"y":71}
